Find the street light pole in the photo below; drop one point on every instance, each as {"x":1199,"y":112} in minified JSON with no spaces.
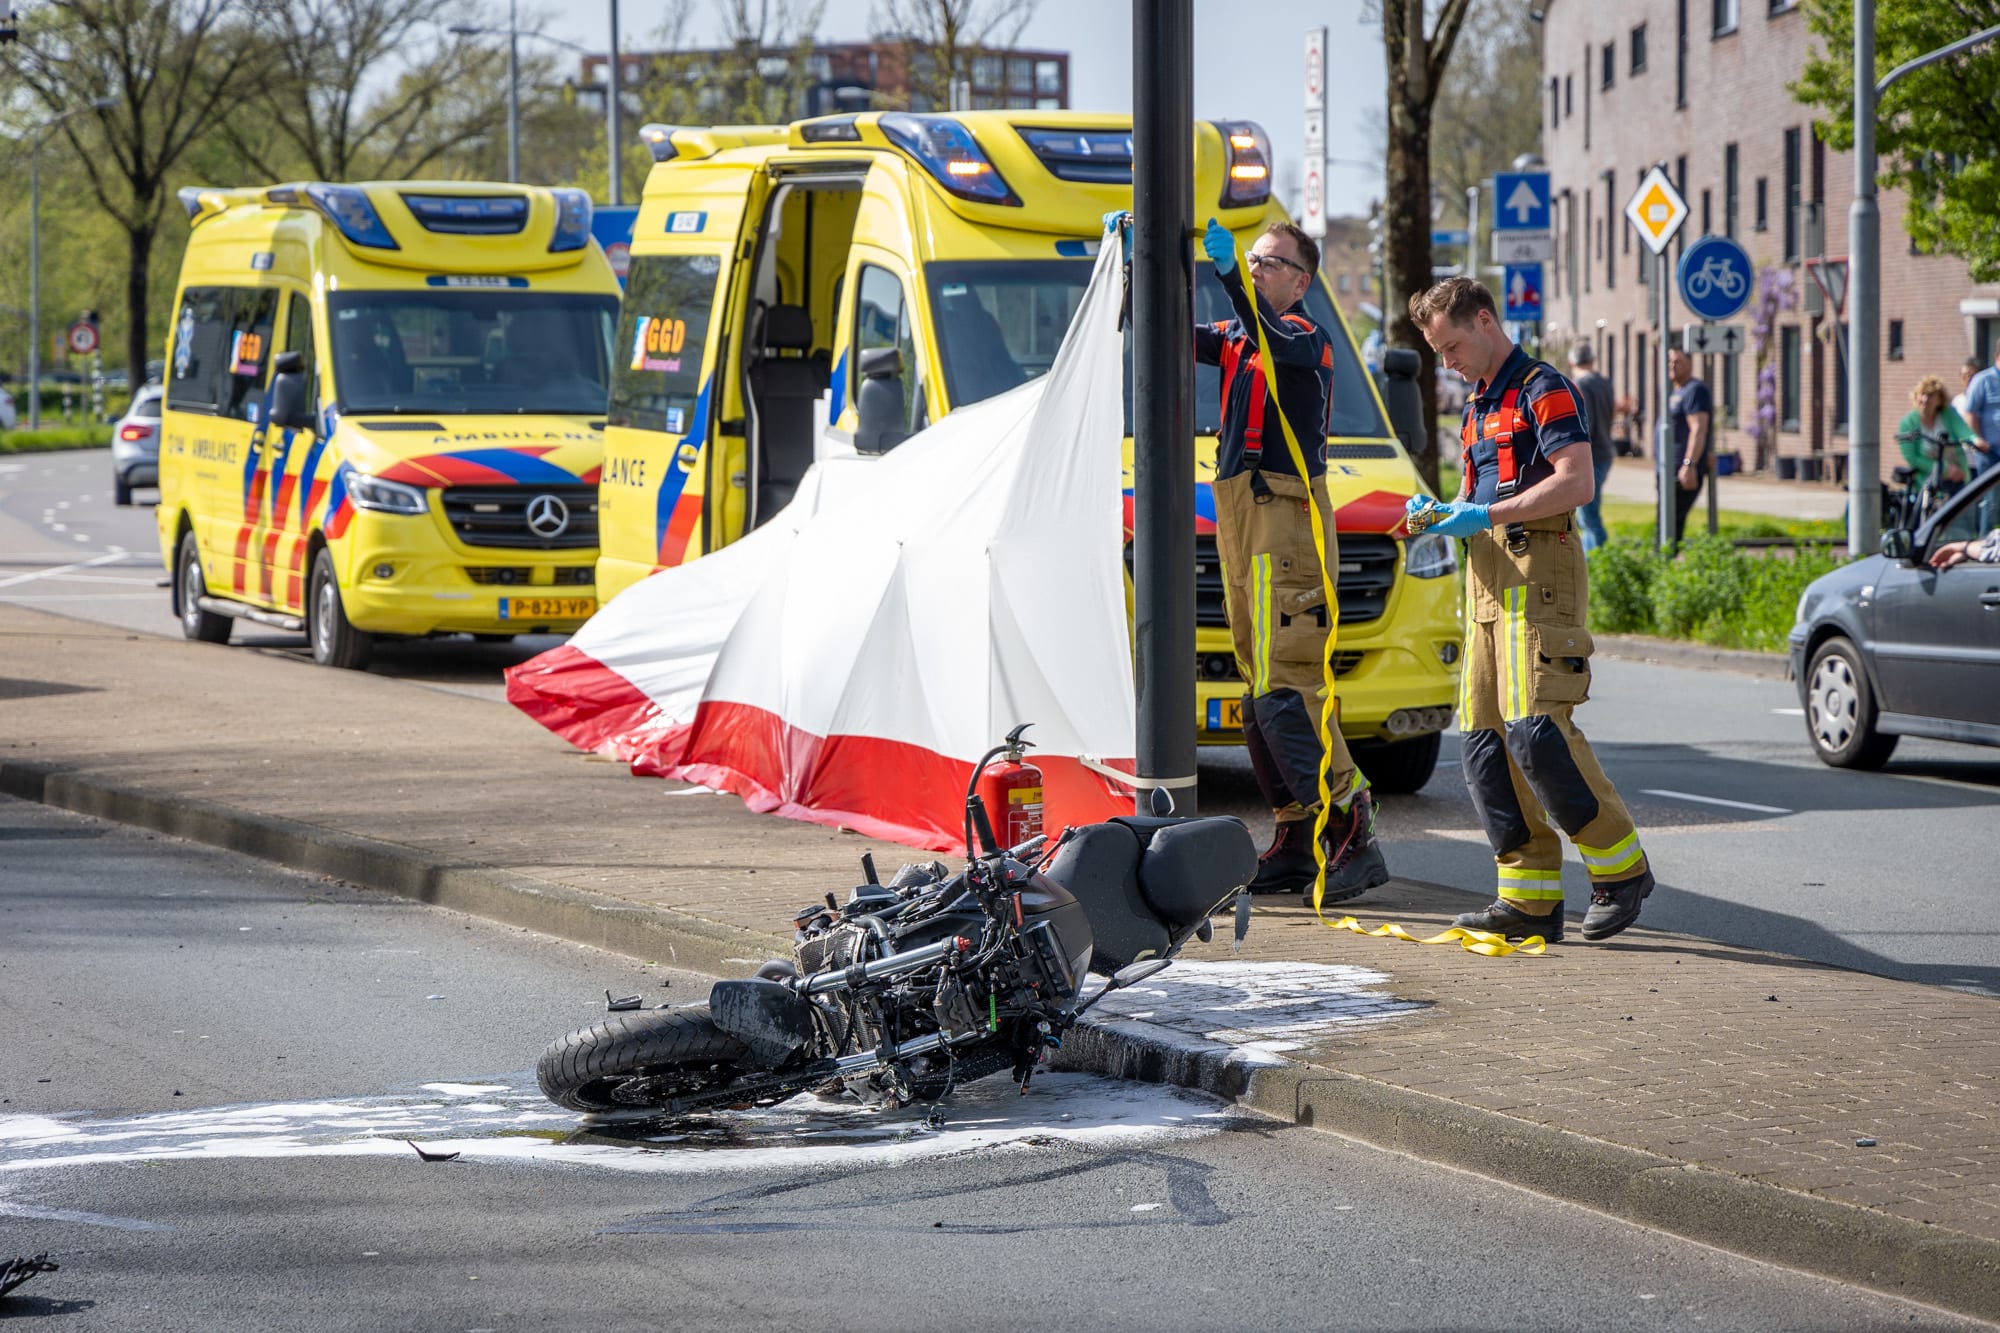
{"x":513,"y":95}
{"x":1163,"y":397}
{"x":39,"y":133}
{"x":617,"y":189}
{"x":1864,"y":281}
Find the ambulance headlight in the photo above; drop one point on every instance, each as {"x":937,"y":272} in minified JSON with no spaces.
{"x":385,"y":497}
{"x":1430,"y":556}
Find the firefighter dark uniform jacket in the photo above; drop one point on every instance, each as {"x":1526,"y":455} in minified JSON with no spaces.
{"x":1303,"y":355}
{"x":1527,"y":652}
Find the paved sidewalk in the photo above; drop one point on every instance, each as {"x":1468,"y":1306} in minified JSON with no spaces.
{"x":1713,"y":1091}
{"x":1632,"y":480}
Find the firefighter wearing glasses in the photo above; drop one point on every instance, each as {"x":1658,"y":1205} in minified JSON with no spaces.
{"x":1527,"y":654}
{"x":1273,"y":594}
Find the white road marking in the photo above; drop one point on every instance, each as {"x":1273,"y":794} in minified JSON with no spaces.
{"x":62,"y":569}
{"x":1717,"y":800}
{"x":60,"y":527}
{"x":1789,"y":712}
{"x":62,"y":504}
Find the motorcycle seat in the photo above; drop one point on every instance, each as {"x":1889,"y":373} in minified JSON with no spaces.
{"x":1099,"y":865}
{"x":1189,"y":865}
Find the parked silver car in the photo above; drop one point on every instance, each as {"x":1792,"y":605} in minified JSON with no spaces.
{"x":135,"y":445}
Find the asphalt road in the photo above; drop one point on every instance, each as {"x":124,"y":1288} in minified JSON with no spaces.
{"x":1753,"y":840}
{"x":210,"y":1066}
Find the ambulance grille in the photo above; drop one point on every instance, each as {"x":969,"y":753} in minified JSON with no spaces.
{"x":499,"y":516}
{"x":1367,"y":574}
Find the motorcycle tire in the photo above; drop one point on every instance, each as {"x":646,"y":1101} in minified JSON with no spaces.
{"x":582,"y":1071}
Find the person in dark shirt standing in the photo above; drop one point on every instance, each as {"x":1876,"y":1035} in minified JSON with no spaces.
{"x":1279,"y":620}
{"x":1693,"y":413}
{"x":1598,"y":409}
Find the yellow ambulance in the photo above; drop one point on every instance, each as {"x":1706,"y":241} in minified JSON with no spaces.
{"x":384,"y":412}
{"x":829,"y":287}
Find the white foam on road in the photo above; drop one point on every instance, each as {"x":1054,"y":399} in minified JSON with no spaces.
{"x":509,"y":1121}
{"x":1255,"y":1011}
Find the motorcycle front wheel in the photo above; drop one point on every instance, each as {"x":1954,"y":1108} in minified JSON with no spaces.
{"x":677,"y":1051}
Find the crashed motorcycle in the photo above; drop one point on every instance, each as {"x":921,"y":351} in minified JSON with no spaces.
{"x":912,"y":987}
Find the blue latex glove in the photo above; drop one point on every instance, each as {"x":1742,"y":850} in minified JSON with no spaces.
{"x":1221,"y":246}
{"x":1461,"y":518}
{"x":1120,"y":222}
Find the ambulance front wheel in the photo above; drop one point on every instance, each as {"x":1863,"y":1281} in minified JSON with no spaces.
{"x":335,"y":642}
{"x":202,"y":626}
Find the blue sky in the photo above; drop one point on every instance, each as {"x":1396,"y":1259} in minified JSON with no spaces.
{"x":1249,"y":62}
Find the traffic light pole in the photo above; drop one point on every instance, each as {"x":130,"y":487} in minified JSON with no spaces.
{"x":1163,"y":397}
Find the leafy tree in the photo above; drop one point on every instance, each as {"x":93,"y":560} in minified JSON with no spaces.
{"x":1417,"y":62}
{"x":941,"y":37}
{"x":1938,"y":130}
{"x":175,"y":69}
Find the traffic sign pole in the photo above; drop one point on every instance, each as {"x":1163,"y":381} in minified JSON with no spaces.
{"x":1663,"y":464}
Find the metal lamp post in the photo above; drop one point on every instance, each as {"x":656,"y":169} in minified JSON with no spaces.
{"x":611,"y":73}
{"x":1864,"y":277}
{"x":37,"y":135}
{"x":514,"y":36}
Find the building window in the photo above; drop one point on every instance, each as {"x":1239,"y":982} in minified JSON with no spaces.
{"x":1729,"y":413}
{"x":1569,"y":94}
{"x":1840,"y":380}
{"x":1763,"y":204}
{"x":1895,"y":352}
{"x":1608,"y":58}
{"x":1020,"y":75}
{"x":1610,"y":213}
{"x":1639,"y":368}
{"x":1639,"y":49}
{"x":1788,"y":378}
{"x":1345,"y":279}
{"x":1792,"y":200}
{"x":1725,"y":17}
{"x":1783,"y":6}
{"x":986,"y":71}
{"x":1555,"y":102}
{"x":1048,"y":78}
{"x":1681,"y":55}
{"x":1706,"y":229}
{"x":1731,"y":189}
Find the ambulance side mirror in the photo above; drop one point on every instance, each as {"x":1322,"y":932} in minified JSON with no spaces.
{"x":289,"y":408}
{"x":879,"y":401}
{"x":1401,"y":367}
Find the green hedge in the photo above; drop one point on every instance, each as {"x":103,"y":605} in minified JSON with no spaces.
{"x":54,"y":437}
{"x":1712,"y":593}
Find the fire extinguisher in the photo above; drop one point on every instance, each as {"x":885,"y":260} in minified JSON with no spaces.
{"x":1011,"y":790}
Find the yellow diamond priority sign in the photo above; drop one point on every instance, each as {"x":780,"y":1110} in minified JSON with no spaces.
{"x":1657,"y":210}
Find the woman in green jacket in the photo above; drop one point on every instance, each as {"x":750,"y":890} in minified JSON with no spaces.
{"x":1933,"y":435}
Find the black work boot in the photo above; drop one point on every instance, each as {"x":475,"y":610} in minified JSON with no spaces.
{"x":1287,"y":865}
{"x":1615,"y":906}
{"x":1501,"y":917}
{"x":1354,"y":861}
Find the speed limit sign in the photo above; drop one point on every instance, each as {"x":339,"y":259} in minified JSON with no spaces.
{"x":82,"y":338}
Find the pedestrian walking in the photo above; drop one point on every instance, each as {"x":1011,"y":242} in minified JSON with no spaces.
{"x":1273,"y":591}
{"x":1693,"y":411}
{"x":1527,"y":653}
{"x":1982,"y":414}
{"x":1599,"y":407}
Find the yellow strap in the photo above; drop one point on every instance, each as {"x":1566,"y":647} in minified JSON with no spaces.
{"x":1483,"y":942}
{"x":1328,"y":707}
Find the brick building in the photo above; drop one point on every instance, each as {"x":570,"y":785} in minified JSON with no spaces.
{"x":875,"y":76}
{"x":1349,"y":268}
{"x":1701,"y":86}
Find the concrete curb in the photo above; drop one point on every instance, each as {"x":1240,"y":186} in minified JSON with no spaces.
{"x":1851,"y":1244}
{"x":1673,"y":652}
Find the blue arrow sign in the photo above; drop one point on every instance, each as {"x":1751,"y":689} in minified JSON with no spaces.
{"x":1521,"y":201}
{"x":1715,"y":277}
{"x":1523,"y":289}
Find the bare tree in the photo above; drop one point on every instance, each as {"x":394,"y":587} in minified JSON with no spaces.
{"x":940,"y":38}
{"x":1489,"y":109}
{"x":315,"y":115}
{"x":1417,"y":62}
{"x":174,"y":68}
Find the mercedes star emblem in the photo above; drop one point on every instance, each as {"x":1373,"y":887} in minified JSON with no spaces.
{"x":548,"y":516}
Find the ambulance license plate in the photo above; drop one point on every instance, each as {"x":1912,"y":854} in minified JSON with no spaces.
{"x":1225,"y":715}
{"x":547,"y":608}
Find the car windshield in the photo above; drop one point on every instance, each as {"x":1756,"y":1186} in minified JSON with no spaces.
{"x":999,"y":323}
{"x":471,"y":351}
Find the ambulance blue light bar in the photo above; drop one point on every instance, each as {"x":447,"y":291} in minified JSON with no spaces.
{"x":572,"y":220}
{"x":946,"y":149}
{"x":348,"y":208}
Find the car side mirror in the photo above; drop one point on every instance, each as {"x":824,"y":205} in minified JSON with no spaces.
{"x":879,"y":401}
{"x":1897,"y":544}
{"x":289,"y":408}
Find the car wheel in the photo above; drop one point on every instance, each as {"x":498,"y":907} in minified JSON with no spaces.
{"x":197,"y":624}
{"x":335,"y":642}
{"x":121,"y":490}
{"x":1840,"y":710}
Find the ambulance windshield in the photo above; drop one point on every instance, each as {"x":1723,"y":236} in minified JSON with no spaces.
{"x":463,"y":352}
{"x":999,"y":323}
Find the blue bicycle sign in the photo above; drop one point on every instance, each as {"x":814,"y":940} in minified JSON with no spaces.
{"x":1715,"y":277}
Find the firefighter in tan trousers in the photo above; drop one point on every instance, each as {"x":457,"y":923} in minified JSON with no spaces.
{"x":1527,"y":654}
